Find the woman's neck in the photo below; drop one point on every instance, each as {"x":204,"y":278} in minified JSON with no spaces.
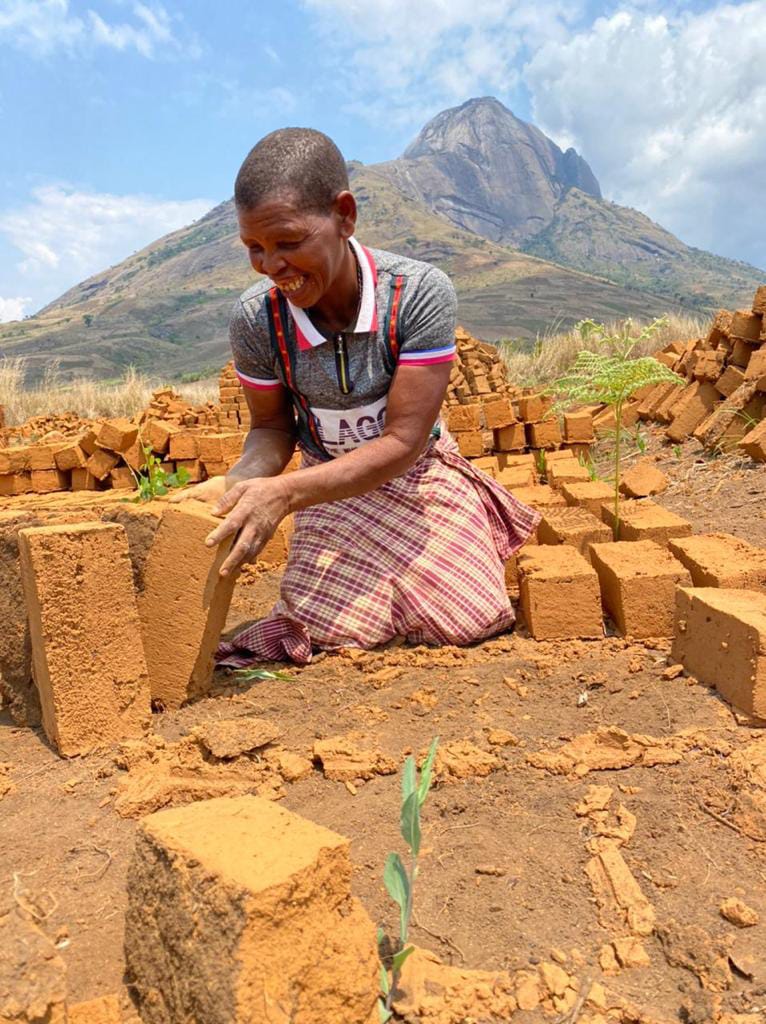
{"x":338,"y":307}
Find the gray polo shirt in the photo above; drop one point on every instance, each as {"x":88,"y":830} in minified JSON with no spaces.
{"x":426,"y":331}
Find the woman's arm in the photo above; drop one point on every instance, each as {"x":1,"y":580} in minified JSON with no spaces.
{"x":256,"y":507}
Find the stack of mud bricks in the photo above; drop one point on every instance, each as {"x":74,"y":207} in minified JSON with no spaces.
{"x":101,"y":610}
{"x":723,"y":402}
{"x":233,"y":410}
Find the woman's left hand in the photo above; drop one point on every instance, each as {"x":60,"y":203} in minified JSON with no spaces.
{"x":253,"y":509}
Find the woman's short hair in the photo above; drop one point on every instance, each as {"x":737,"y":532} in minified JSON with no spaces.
{"x":298,"y":161}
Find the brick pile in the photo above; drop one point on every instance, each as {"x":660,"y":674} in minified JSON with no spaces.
{"x":723,"y":405}
{"x":233,"y":410}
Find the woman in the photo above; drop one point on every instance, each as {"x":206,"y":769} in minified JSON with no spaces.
{"x":347,"y":352}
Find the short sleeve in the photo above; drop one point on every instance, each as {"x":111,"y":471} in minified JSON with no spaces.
{"x":428,"y":321}
{"x":251,"y":348}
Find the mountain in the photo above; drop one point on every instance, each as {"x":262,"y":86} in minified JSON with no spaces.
{"x":491,"y":173}
{"x":519,"y":225}
{"x":165,"y":309}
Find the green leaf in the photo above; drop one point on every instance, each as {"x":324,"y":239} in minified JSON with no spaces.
{"x":260,"y":675}
{"x":409,"y":778}
{"x":183,"y":476}
{"x":398,"y":887}
{"x":426,"y":771}
{"x":400,"y":957}
{"x":384,"y":1014}
{"x":410,"y":822}
{"x":160,"y":489}
{"x":385,"y":986}
{"x":380,"y":936}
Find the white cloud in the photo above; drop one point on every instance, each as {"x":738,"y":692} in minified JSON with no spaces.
{"x":670,"y":113}
{"x":65,"y":235}
{"x":13,"y":309}
{"x":43,"y":26}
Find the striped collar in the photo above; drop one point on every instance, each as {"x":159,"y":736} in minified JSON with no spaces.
{"x":306,"y":333}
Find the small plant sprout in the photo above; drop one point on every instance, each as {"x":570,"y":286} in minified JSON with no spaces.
{"x":540,"y":463}
{"x":677,"y":450}
{"x":400,"y":882}
{"x":152,"y":481}
{"x":640,"y":441}
{"x":610,"y":376}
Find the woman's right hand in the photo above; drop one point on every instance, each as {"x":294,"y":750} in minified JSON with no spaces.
{"x":210,"y":491}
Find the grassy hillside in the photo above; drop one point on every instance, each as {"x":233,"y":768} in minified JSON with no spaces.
{"x":165,"y":309}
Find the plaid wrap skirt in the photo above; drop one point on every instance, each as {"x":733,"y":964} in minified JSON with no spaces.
{"x":422,"y":557}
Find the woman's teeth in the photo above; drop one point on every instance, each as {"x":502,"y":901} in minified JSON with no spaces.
{"x":293,"y":285}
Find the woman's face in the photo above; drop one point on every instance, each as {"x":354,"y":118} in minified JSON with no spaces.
{"x":303,"y":253}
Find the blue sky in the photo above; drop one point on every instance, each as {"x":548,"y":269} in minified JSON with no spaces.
{"x":123,"y":120}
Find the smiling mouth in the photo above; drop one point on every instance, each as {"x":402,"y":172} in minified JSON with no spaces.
{"x":293,"y":285}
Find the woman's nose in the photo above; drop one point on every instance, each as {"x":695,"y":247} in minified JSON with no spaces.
{"x":273,"y":264}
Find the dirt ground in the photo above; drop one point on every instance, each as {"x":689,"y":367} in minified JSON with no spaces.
{"x":503,"y":881}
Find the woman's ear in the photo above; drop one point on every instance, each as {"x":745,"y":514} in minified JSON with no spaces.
{"x":344,"y":209}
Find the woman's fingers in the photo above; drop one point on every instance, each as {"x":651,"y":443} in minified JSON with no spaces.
{"x":227,"y":501}
{"x":230,"y":525}
{"x":247,"y":546}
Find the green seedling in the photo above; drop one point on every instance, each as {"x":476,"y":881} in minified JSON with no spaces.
{"x":640,"y":441}
{"x":610,"y":376}
{"x":677,"y":450}
{"x":400,"y":882}
{"x":262,"y":675}
{"x":588,"y":464}
{"x":540,"y":463}
{"x":152,"y":481}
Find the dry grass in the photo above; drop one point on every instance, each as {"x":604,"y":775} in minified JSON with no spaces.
{"x":90,"y":399}
{"x":553,"y":354}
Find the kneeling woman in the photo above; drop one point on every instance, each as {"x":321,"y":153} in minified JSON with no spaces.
{"x":347,"y":352}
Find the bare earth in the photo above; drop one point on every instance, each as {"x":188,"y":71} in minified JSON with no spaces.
{"x":503,"y":880}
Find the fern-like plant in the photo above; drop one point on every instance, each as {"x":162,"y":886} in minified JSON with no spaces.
{"x":610,"y":375}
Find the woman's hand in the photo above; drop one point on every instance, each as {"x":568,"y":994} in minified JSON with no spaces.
{"x":211,"y":490}
{"x":254,"y":509}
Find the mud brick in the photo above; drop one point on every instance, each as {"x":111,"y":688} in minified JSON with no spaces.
{"x":546,"y":434}
{"x":122,"y":479}
{"x":578,"y":426}
{"x":157,"y":434}
{"x":87,"y":655}
{"x":539,"y":496}
{"x":216,"y":468}
{"x":721,"y":560}
{"x":746,"y":325}
{"x":647,"y":408}
{"x":668,"y":359}
{"x":464,"y":417}
{"x":663,"y":410}
{"x":101,"y":463}
{"x":556,"y":455}
{"x":181,"y":572}
{"x":720,"y":638}
{"x":12,"y":484}
{"x":574,"y":526}
{"x":168,"y":467}
{"x":506,"y":460}
{"x":754,"y":443}
{"x":488,"y":464}
{"x":566,"y":471}
{"x":590,"y":495}
{"x":512,"y":575}
{"x":498,"y":413}
{"x":511,"y":438}
{"x":646,"y":520}
{"x":709,"y":366}
{"x":116,"y":435}
{"x":559,"y":594}
{"x":230,"y":392}
{"x":698,"y":403}
{"x":71,"y":456}
{"x":220,"y":447}
{"x":759,"y":300}
{"x":729,"y":381}
{"x":82,"y":480}
{"x":135,"y":456}
{"x":193,"y":467}
{"x":533,"y":408}
{"x":741,"y":353}
{"x":756,"y":368}
{"x":43,"y":456}
{"x":14,"y":460}
{"x":580,"y":451}
{"x":470,"y":443}
{"x":184,"y":445}
{"x":246,"y":875}
{"x":102,"y":1010}
{"x":512,"y":477}
{"x":638,"y":581}
{"x":45,"y":481}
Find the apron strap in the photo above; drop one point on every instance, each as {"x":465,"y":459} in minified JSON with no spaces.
{"x":391,"y":324}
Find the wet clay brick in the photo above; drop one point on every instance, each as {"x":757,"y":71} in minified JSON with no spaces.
{"x":220,"y":447}
{"x":44,"y":481}
{"x":721,"y":560}
{"x":510,"y":439}
{"x":71,"y":456}
{"x":237,"y":906}
{"x":14,"y":460}
{"x":507,"y":459}
{"x":544,"y":435}
{"x":101,"y":463}
{"x":697,"y":403}
{"x":184,"y":603}
{"x":741,"y":353}
{"x":157,"y":435}
{"x":116,"y":435}
{"x":589,"y":494}
{"x":43,"y":456}
{"x":720,"y":638}
{"x":499,"y":413}
{"x":86,"y":642}
{"x":82,"y":480}
{"x":559,"y":594}
{"x":533,"y":407}
{"x":572,"y":525}
{"x":756,"y":368}
{"x":488,"y":464}
{"x":643,"y":479}
{"x":646,"y":520}
{"x":193,"y":467}
{"x":183,"y":446}
{"x":565,"y":471}
{"x":754,"y":442}
{"x":512,"y":477}
{"x":470,"y":443}
{"x":539,"y":496}
{"x":638,"y":582}
{"x":12,"y":484}
{"x":464,"y":417}
{"x":746,"y":325}
{"x":578,"y":426}
{"x":759,"y":299}
{"x":122,"y":479}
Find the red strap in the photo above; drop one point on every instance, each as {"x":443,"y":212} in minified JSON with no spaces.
{"x":393,"y":341}
{"x":287,"y":363}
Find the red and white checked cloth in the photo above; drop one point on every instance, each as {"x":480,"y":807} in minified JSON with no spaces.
{"x":421,"y":557}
